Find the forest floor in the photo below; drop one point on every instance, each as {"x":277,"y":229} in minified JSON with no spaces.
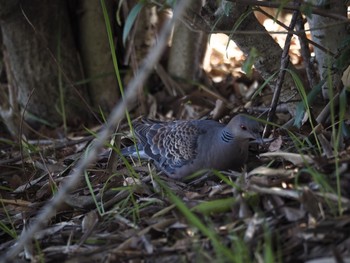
{"x":291,"y":203}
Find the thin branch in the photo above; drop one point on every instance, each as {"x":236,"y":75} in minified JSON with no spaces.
{"x":284,"y":66}
{"x":299,"y":32}
{"x":197,"y":23}
{"x":295,"y":7}
{"x":305,"y":53}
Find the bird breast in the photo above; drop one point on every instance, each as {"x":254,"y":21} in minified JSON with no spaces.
{"x":224,"y":155}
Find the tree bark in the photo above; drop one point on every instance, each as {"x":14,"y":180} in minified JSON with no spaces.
{"x":330,"y":34}
{"x":43,"y":60}
{"x":187,"y":49}
{"x":96,"y":54}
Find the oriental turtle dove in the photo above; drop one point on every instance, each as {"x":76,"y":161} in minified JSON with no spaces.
{"x":180,"y":148}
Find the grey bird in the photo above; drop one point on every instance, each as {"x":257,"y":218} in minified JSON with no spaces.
{"x":180,"y":148}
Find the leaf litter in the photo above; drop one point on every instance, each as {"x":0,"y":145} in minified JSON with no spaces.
{"x":292,"y":201}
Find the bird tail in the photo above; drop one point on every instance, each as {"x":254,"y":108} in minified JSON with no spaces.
{"x":131,"y":151}
{"x":127,"y":151}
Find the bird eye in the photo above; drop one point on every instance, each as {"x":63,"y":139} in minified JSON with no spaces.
{"x":244,"y":128}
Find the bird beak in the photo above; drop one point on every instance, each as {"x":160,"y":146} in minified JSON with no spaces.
{"x":261,"y":140}
{"x":257,"y":139}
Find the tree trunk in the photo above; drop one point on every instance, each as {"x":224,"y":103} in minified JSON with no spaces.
{"x":187,"y":50}
{"x":330,"y":34}
{"x":96,"y":54}
{"x":43,"y":60}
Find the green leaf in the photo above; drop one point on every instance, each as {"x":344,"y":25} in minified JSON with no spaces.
{"x":228,"y":7}
{"x":170,"y":3}
{"x":345,"y":131}
{"x":247,"y":66}
{"x":342,"y":62}
{"x":306,"y":9}
{"x":308,"y":100}
{"x":130,"y":20}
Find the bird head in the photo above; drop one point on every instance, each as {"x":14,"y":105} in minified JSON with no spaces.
{"x":245,"y":128}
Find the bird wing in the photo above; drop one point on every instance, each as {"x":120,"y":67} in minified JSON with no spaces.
{"x":170,"y":144}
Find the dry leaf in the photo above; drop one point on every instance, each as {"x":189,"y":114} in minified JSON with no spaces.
{"x":276,"y":144}
{"x":294,"y":158}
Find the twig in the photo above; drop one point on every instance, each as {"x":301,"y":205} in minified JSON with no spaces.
{"x":325,"y":113}
{"x":49,"y":145}
{"x":201,"y":23}
{"x":300,"y":32}
{"x":295,"y":7}
{"x":115,"y":117}
{"x":305,"y":53}
{"x":284,"y":66}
